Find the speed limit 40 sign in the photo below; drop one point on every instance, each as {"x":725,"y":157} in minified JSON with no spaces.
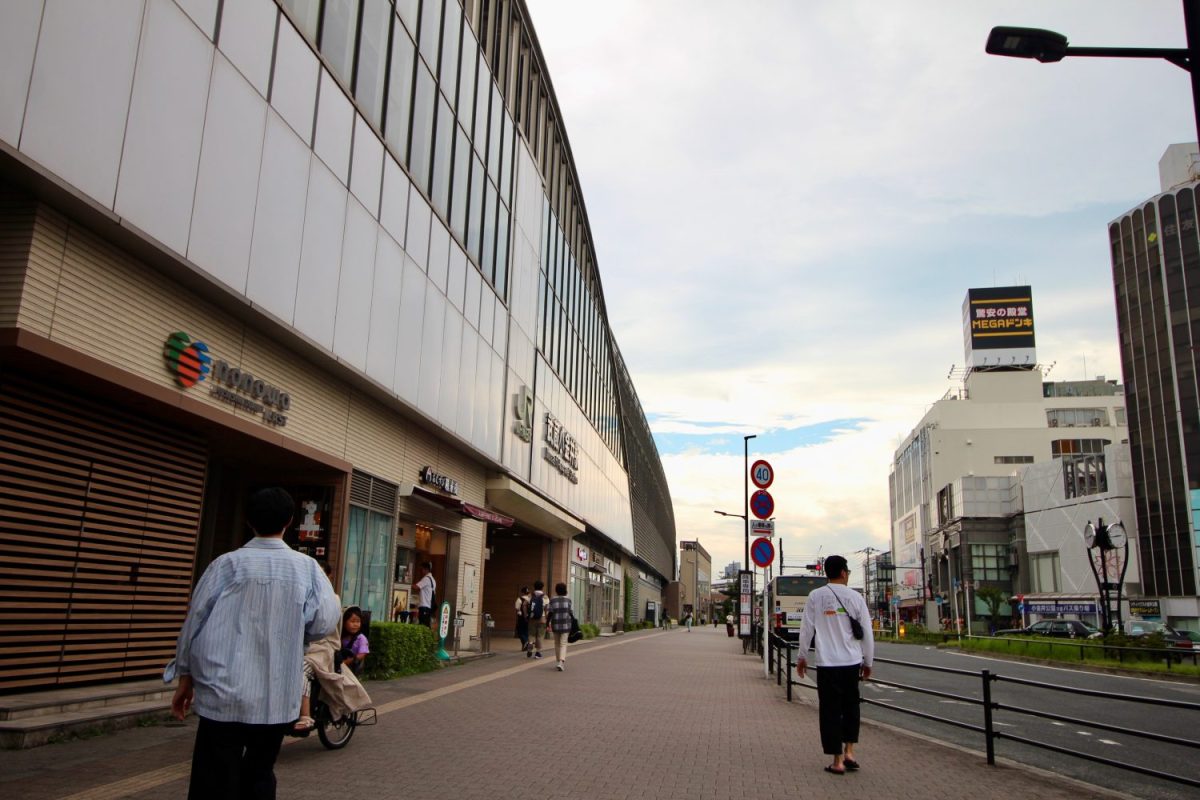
{"x":761,"y":474}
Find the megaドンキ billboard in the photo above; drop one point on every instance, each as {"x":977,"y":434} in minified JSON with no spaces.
{"x":998,"y":328}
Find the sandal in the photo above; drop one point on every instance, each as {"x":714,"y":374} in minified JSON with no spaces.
{"x":832,"y":771}
{"x":850,"y":764}
{"x":304,"y":725}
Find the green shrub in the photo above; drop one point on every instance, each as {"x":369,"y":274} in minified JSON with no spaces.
{"x":400,"y":649}
{"x":590,"y":631}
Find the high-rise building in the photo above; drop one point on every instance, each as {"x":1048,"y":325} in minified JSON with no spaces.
{"x":340,"y":247}
{"x":1156,"y":276}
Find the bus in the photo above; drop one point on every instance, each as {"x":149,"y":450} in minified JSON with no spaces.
{"x":786,"y":596}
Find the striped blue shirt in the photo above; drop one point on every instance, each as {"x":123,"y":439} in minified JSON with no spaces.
{"x":243,"y":640}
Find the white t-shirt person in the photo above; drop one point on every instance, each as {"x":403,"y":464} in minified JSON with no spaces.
{"x":426,"y":587}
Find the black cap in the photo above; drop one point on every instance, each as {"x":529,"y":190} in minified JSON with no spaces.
{"x":835,"y":566}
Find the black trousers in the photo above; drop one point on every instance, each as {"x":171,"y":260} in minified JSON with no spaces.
{"x":235,"y":760}
{"x":424,"y":615}
{"x":837,"y":692}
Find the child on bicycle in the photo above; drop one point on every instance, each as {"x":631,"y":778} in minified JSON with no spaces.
{"x":324,"y":663}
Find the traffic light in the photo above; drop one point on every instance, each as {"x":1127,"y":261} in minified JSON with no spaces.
{"x":813,"y":567}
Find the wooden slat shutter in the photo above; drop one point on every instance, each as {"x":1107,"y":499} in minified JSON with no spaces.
{"x":99,"y":512}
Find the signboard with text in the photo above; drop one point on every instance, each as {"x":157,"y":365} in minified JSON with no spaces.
{"x":745,"y":601}
{"x":998,"y":327}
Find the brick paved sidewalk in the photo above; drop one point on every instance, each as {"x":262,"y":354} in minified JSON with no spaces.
{"x":645,"y":715}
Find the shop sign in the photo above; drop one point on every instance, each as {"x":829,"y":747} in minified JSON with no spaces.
{"x":191,"y":362}
{"x":439,"y":480}
{"x":598,"y":562}
{"x":1145,"y":608}
{"x":561,"y":450}
{"x":1059,"y":607}
{"x":581,"y":554}
{"x":523,"y":412}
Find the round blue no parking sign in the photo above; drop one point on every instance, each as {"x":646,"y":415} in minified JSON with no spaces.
{"x":762,"y":552}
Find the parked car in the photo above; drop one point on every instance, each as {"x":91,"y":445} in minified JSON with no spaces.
{"x":1193,"y":637}
{"x":1061,"y":628}
{"x":1143,"y":627}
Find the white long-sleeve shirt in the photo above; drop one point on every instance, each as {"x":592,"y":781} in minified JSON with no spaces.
{"x":825,"y":613}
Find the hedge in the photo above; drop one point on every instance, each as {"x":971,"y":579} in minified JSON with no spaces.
{"x":399,"y":648}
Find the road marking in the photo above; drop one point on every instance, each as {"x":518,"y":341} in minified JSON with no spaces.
{"x":993,"y":659}
{"x":1083,"y":733}
{"x":1108,"y":741}
{"x":174,"y":772}
{"x":1059,"y":724}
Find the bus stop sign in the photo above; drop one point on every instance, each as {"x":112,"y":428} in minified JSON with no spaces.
{"x":762,"y":552}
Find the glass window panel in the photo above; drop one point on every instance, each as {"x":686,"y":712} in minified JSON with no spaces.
{"x":466,"y":78}
{"x":501,"y":275}
{"x":474,"y":224}
{"x":337,"y":37}
{"x":442,"y":152}
{"x":494,"y":137}
{"x":458,"y":200}
{"x":355,"y":544}
{"x":481,"y":108}
{"x":307,"y":14}
{"x":375,"y":585}
{"x":431,"y":31}
{"x":372,"y":58}
{"x":400,"y":89}
{"x":422,"y":127}
{"x":408,"y":11}
{"x":506,"y":157}
{"x":487,"y":255}
{"x":451,"y":30}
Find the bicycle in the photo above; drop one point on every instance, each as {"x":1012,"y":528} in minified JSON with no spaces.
{"x":334,"y":732}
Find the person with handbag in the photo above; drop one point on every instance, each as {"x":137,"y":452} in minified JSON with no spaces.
{"x":560,"y":619}
{"x":845,"y":650}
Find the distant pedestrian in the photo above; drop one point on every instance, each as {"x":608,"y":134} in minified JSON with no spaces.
{"x":537,"y":620}
{"x":426,"y":589}
{"x":687,"y":618}
{"x":522,"y":626}
{"x":240,"y":652}
{"x":845,"y":651}
{"x":560,"y":614}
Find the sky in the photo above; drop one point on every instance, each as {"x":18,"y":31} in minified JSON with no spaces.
{"x":789,"y":201}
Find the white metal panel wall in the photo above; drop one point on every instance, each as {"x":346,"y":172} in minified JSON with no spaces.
{"x":79,"y":92}
{"x":203,"y":13}
{"x":352,"y":321}
{"x":294,"y":91}
{"x":247,"y":37}
{"x":324,"y":223}
{"x":166,"y":121}
{"x":18,"y":40}
{"x":385,"y":311}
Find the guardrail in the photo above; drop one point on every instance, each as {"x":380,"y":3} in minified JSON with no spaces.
{"x":781,"y":661}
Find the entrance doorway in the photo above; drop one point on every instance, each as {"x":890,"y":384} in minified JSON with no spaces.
{"x":518,"y":558}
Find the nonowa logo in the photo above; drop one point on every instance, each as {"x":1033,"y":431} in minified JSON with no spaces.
{"x":187,"y":360}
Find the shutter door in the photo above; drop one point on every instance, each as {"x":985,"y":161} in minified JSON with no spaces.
{"x":99,"y":513}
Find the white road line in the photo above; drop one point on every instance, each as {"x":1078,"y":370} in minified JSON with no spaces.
{"x":1108,"y":741}
{"x":1083,"y":733}
{"x":1059,"y":724}
{"x":995,"y":660}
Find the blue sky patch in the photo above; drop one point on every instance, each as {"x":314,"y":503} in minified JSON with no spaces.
{"x":728,"y":440}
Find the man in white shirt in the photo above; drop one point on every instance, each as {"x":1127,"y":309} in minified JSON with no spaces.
{"x":842,"y":660}
{"x":425,"y":588}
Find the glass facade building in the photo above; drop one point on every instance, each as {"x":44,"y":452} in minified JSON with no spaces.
{"x":369,"y":207}
{"x":1156,"y":278}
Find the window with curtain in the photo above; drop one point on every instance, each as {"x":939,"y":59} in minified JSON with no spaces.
{"x":368,"y":546}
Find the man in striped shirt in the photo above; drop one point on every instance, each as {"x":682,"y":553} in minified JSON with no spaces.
{"x":240,"y":653}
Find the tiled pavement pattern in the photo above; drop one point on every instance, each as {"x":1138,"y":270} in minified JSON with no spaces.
{"x":645,"y":715}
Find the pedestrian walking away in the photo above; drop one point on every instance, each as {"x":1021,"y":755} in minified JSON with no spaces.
{"x":537,"y":620}
{"x":426,"y":588}
{"x":561,"y":614}
{"x":845,"y":649}
{"x":240,"y":653}
{"x":521,"y":629}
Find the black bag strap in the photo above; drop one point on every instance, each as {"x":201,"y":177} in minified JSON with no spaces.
{"x":829,"y":586}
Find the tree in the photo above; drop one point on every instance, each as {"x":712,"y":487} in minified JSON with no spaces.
{"x":993,"y":597}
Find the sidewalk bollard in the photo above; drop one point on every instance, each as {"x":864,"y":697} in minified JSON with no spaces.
{"x":989,"y":732}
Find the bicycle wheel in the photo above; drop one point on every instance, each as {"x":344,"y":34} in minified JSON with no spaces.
{"x":335,"y":734}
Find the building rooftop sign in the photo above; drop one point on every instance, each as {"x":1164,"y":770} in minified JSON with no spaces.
{"x":998,"y":328}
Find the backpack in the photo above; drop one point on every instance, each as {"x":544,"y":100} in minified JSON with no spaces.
{"x":537,"y":607}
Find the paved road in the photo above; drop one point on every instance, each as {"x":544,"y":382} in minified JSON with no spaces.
{"x":1122,"y":747}
{"x":645,"y":715}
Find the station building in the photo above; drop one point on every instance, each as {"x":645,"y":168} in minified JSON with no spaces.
{"x":338,"y":247}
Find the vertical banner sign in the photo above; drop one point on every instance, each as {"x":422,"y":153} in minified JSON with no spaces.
{"x":745,"y":600}
{"x":443,"y":631}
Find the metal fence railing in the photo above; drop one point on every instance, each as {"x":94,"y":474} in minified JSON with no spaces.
{"x":781,"y":662}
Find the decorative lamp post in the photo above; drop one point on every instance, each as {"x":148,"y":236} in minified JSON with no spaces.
{"x":1107,"y":539}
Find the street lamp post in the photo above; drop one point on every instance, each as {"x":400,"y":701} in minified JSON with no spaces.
{"x":746,"y":496}
{"x":1107,"y":538}
{"x":1048,"y":47}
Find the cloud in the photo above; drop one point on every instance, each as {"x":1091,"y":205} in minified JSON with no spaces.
{"x":790,"y":200}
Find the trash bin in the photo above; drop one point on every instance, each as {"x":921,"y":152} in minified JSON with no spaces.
{"x":485,"y":634}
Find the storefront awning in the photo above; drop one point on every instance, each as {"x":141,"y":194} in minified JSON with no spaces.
{"x":458,"y":506}
{"x":532,"y":510}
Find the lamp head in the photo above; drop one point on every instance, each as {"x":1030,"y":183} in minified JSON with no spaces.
{"x":1045,"y":46}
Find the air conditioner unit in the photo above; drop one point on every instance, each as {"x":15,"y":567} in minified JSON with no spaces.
{"x":1095,"y":422}
{"x":1053,"y":423}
